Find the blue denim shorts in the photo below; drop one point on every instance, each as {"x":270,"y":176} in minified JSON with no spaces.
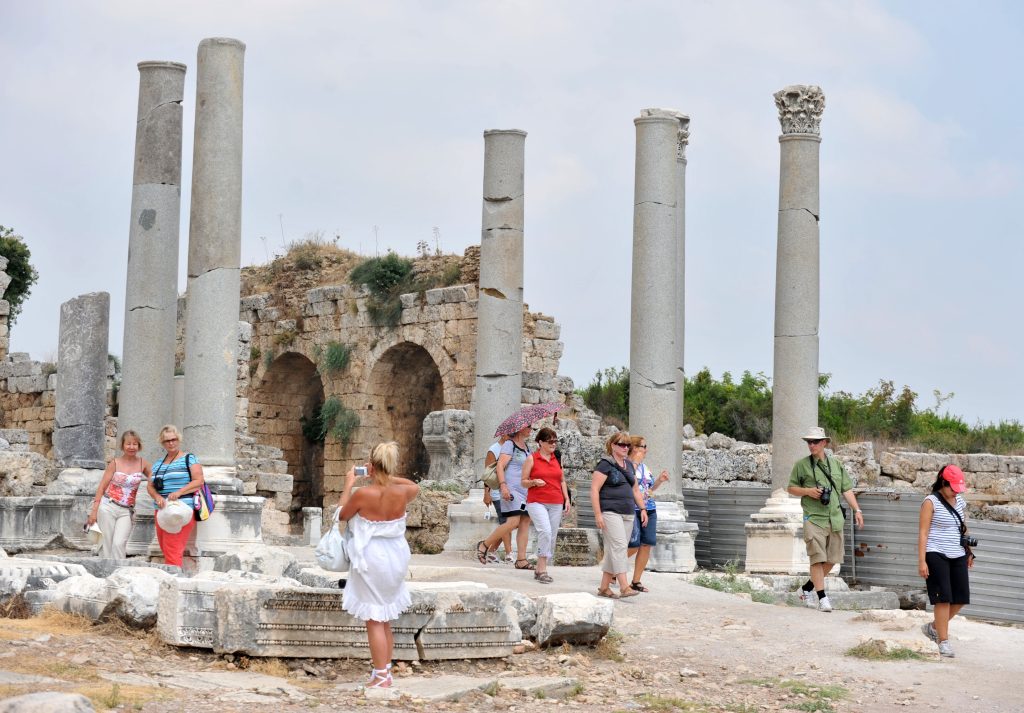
{"x":646,"y":534}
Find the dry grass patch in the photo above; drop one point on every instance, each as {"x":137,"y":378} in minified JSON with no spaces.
{"x":269,"y":667}
{"x":108,"y":696}
{"x":51,"y":621}
{"x":610,"y":647}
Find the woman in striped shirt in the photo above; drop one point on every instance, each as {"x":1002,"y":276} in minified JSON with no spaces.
{"x":176,"y":477}
{"x":941,"y":557}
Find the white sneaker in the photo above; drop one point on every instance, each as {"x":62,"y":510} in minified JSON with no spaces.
{"x":809,"y":599}
{"x":929,"y":631}
{"x":946,"y":650}
{"x":824,"y":604}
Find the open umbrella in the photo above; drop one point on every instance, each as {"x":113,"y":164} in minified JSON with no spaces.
{"x":526,"y":416}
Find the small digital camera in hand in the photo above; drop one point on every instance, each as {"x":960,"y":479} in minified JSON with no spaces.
{"x":826,"y":496}
{"x":360,"y":470}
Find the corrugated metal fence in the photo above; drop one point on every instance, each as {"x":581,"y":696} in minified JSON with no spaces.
{"x":886,"y":548}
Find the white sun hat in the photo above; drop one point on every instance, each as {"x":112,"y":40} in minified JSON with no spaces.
{"x":94,"y":534}
{"x":173,"y":516}
{"x":816,"y":433}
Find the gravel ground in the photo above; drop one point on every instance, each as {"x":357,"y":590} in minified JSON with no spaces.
{"x":678,"y":647}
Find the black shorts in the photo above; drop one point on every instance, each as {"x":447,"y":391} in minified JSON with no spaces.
{"x":947,"y":579}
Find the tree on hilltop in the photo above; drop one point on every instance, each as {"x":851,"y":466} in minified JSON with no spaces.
{"x":20,"y":270}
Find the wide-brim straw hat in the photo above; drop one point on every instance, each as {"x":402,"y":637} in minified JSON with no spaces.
{"x":816,"y":433}
{"x":173,"y":516}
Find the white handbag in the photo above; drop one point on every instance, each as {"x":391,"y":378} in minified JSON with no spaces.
{"x":332,"y":552}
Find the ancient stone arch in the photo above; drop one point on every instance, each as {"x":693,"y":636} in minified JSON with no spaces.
{"x":401,"y":387}
{"x":289,"y":395}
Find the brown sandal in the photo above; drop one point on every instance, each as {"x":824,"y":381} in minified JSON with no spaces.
{"x":639,"y":587}
{"x":528,"y":565}
{"x":481,"y":552}
{"x":630,"y":592}
{"x":607,"y":593}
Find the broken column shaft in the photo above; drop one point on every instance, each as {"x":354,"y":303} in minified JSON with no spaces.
{"x":653,"y":357}
{"x":499,"y":345}
{"x":151,"y":295}
{"x":214,"y":254}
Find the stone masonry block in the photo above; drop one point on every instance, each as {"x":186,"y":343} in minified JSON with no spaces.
{"x":546,"y":330}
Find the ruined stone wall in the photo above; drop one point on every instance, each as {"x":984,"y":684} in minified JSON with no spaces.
{"x":27,"y":391}
{"x":395,"y":375}
{"x":995,"y":483}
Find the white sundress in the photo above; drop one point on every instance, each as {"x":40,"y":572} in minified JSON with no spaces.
{"x":379,"y":557}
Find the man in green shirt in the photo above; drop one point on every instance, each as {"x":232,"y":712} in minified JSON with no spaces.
{"x":810,"y":479}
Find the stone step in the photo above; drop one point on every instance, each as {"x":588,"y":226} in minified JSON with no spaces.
{"x":851,"y":601}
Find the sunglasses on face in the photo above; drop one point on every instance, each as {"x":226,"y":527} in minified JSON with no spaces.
{"x":553,"y":441}
{"x":815,"y":441}
{"x":643,"y":445}
{"x":624,"y":445}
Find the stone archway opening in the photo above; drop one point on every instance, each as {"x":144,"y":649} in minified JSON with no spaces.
{"x":404,"y":387}
{"x":290,"y":396}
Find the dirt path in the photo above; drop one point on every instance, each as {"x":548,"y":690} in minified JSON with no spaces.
{"x":684,"y":647}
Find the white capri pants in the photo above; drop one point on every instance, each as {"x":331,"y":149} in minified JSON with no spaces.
{"x":617,"y":529}
{"x":546,"y":517}
{"x":116,"y":525}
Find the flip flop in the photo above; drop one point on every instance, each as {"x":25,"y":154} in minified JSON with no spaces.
{"x":607,"y":593}
{"x":481,"y":552}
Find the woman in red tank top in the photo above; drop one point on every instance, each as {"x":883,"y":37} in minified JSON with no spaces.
{"x":547,"y":498}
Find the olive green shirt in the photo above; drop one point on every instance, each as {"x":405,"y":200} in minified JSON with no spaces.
{"x":828,"y":516}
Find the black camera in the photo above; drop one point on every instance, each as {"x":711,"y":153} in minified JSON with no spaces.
{"x":826,"y":496}
{"x":968,"y":541}
{"x":158,"y":482}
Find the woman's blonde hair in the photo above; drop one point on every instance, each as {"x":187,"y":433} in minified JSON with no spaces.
{"x":130,"y":434}
{"x":616,"y":437}
{"x":384,"y":458}
{"x":635,"y":441}
{"x":170,"y":428}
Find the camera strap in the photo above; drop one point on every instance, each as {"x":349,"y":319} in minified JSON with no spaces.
{"x":960,"y":520}
{"x":828,"y":475}
{"x":963,"y":526}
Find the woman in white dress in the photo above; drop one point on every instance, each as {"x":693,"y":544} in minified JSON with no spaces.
{"x":379,"y":555}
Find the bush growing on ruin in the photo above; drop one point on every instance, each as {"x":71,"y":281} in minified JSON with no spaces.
{"x":608,"y":394}
{"x":20,"y":270}
{"x":333,"y":418}
{"x":332,"y":358}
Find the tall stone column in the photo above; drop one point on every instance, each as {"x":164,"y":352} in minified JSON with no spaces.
{"x":683,"y":139}
{"x":654,"y":354}
{"x":499,"y":338}
{"x":214,"y":254}
{"x":151,"y":294}
{"x":774,"y":537}
{"x":81,"y":397}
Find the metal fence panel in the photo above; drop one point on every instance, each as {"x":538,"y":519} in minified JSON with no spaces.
{"x":886,"y":555}
{"x":729,"y":511}
{"x":695,"y":500}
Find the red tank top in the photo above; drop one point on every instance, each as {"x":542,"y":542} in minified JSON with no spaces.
{"x":550,"y":471}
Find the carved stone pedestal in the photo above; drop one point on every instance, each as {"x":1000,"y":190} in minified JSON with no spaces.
{"x":775,"y":538}
{"x":674,"y":551}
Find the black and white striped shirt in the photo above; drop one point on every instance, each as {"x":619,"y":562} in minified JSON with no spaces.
{"x":944,"y":534}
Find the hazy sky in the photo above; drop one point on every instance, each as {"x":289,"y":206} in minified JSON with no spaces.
{"x":371,"y":114}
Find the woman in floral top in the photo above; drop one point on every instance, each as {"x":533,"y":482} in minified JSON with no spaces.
{"x":644,"y":535}
{"x":114,"y":504}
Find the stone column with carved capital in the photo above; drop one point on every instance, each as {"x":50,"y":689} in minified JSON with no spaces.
{"x":774,"y":537}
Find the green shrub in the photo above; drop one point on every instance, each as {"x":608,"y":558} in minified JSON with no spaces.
{"x":19,"y":269}
{"x":382,"y":274}
{"x":883,"y":414}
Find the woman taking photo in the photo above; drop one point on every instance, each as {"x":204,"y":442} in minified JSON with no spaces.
{"x":547,"y":498}
{"x":114,"y":505}
{"x":615,"y":496}
{"x":942,"y":559}
{"x":175,"y":478}
{"x":378,"y":553}
{"x":644,"y":536}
